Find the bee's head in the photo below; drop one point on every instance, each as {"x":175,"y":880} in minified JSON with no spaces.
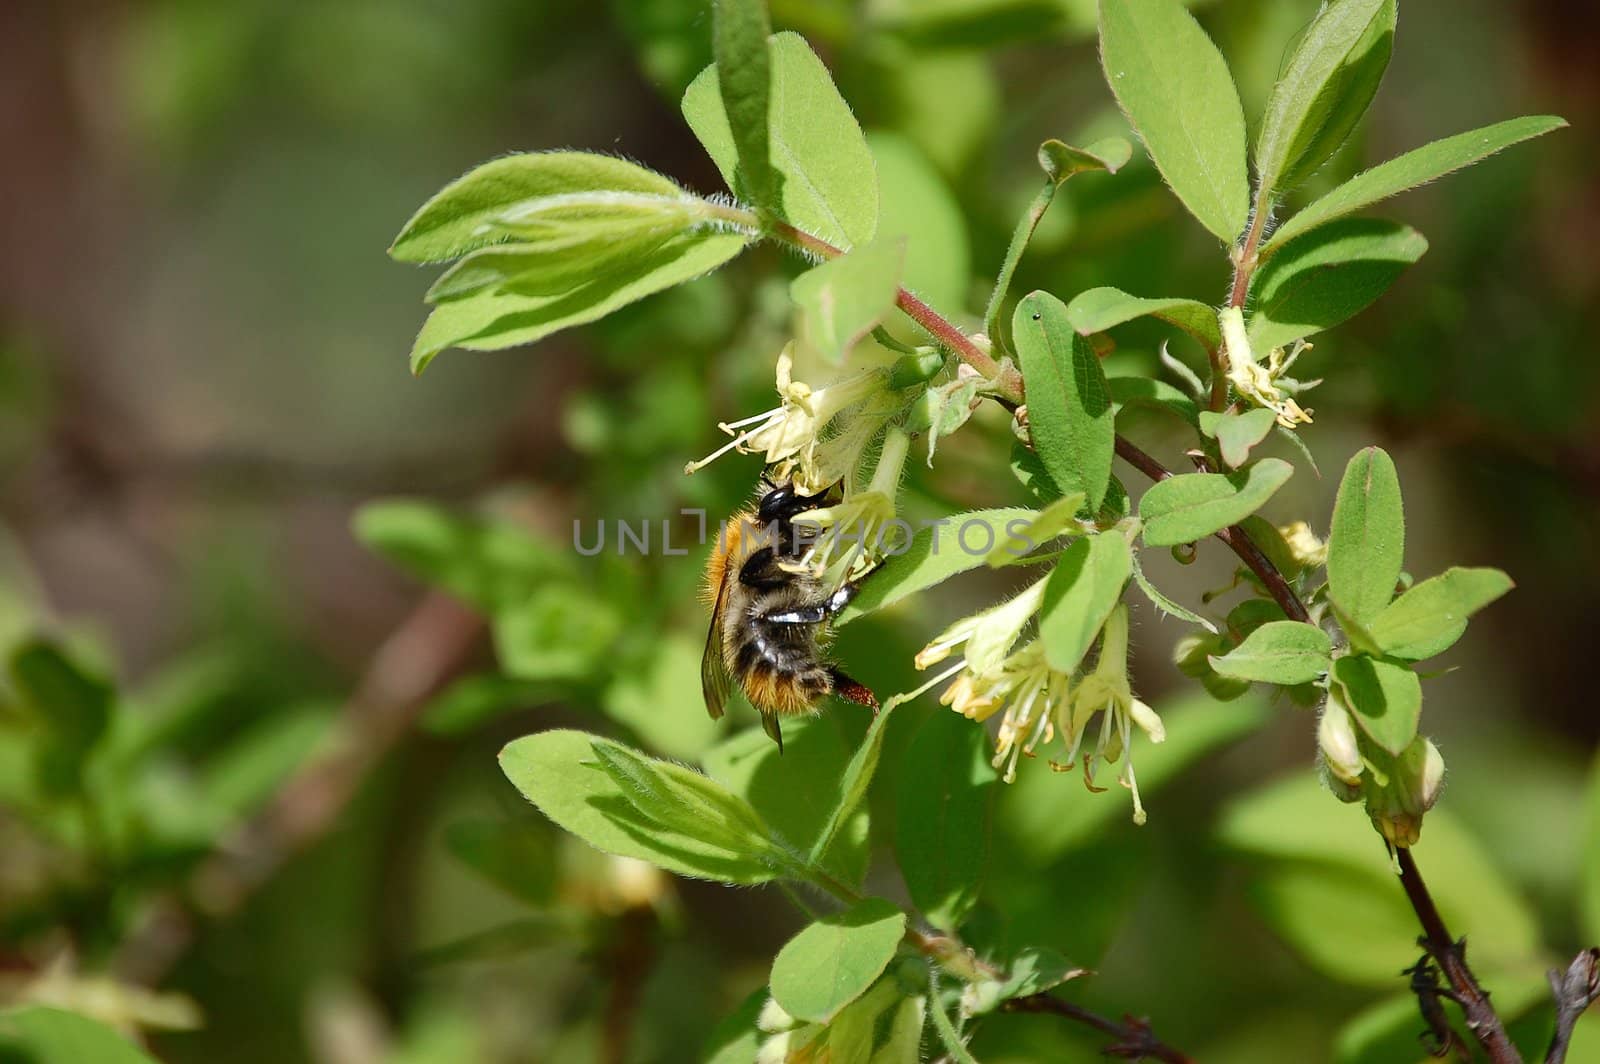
{"x":783,"y":501}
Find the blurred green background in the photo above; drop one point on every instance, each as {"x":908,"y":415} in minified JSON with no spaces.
{"x":203,"y":378}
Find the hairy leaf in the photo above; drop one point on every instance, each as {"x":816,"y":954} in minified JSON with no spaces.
{"x":833,"y":961}
{"x":1415,"y":167}
{"x":1069,"y":407}
{"x":942,"y":813}
{"x":1237,"y":433}
{"x":1431,"y":616}
{"x":844,"y":298}
{"x":1192,"y":506}
{"x":1327,"y":276}
{"x":1083,"y":589}
{"x":1280,"y":652}
{"x":829,"y":183}
{"x":1367,"y":542}
{"x":1384,"y":696}
{"x":1099,"y":309}
{"x":1176,"y":90}
{"x":744,"y":83}
{"x":936,"y":553}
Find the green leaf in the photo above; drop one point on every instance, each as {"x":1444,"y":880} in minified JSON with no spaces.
{"x":487,"y":561}
{"x":829,"y":184}
{"x":1099,"y":309}
{"x":1176,"y":90}
{"x":1035,"y":970}
{"x":744,"y":83}
{"x":1415,"y":167}
{"x":1083,"y":589}
{"x":1385,"y":697}
{"x":1429,"y":618}
{"x":1021,"y":539}
{"x":1061,"y":160}
{"x":795,"y":790}
{"x":1324,"y":883}
{"x":843,"y":299}
{"x":687,"y":802}
{"x":491,"y":320}
{"x":852,"y":787}
{"x":43,"y":1035}
{"x":1191,"y":506}
{"x":1146,"y":391}
{"x":941,"y":837}
{"x":1161,"y":602}
{"x":1280,"y":652}
{"x":836,"y":959}
{"x":71,"y":705}
{"x":936,"y":553}
{"x":736,"y":1039}
{"x":460,"y":217}
{"x":1237,"y":433}
{"x":515,"y":856}
{"x":1324,"y":90}
{"x":562,"y":632}
{"x":1069,"y":407}
{"x":561,"y":773}
{"x":1327,"y":276}
{"x":1367,"y":541}
{"x":636,"y":696}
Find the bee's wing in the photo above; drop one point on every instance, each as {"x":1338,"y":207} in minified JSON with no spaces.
{"x":715,"y":680}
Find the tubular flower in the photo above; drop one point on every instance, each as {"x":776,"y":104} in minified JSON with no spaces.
{"x":1105,"y":691}
{"x":853,"y":536}
{"x":794,"y":436}
{"x":1252,"y":380}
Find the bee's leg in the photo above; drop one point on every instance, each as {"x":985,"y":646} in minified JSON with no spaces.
{"x":852,"y":690}
{"x":815,"y":614}
{"x":841,"y":598}
{"x":770,"y":724}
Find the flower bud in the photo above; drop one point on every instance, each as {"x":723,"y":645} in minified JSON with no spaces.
{"x":773,"y":1017}
{"x":1336,"y":738}
{"x":1432,"y":781}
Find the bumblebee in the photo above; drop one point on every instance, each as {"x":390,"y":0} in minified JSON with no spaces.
{"x":769,"y":618}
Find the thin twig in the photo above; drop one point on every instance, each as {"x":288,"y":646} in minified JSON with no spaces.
{"x":1133,"y":1038}
{"x":1575,"y":990}
{"x":1451,"y":956}
{"x":428,"y":647}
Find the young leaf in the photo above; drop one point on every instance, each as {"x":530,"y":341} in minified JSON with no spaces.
{"x":844,"y":298}
{"x":829,"y":183}
{"x":1192,"y":506}
{"x":1161,"y":602}
{"x":1083,"y":589}
{"x":1415,"y":167}
{"x":852,"y":786}
{"x":936,"y":553}
{"x":833,"y":961}
{"x":1237,"y":433}
{"x":1368,"y":538}
{"x":1431,"y":616}
{"x":561,"y":772}
{"x":535,"y":269}
{"x":685,"y":801}
{"x":1280,"y":652}
{"x":1328,"y":276}
{"x":1099,"y":309}
{"x":1325,"y":89}
{"x":795,"y":790}
{"x":1023,"y":538}
{"x":941,"y":837}
{"x":1385,"y":697}
{"x":744,"y":83}
{"x":491,"y":320}
{"x":1176,"y":90}
{"x":1069,"y":409}
{"x":36,"y":1034}
{"x":459,"y":218}
{"x":490,"y":562}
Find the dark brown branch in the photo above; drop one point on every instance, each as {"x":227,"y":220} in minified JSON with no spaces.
{"x":1132,"y":1037}
{"x":1575,"y":990}
{"x":1451,"y":956}
{"x":427,"y":649}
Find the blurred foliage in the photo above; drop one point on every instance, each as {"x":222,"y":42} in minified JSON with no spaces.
{"x":195,"y":395}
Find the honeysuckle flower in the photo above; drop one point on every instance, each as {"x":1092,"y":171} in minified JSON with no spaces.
{"x":1339,"y":745}
{"x":1256,"y":382}
{"x":1309,"y":551}
{"x":1105,"y":691}
{"x":1397,"y":790}
{"x":792,"y":436}
{"x":854,"y":535}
